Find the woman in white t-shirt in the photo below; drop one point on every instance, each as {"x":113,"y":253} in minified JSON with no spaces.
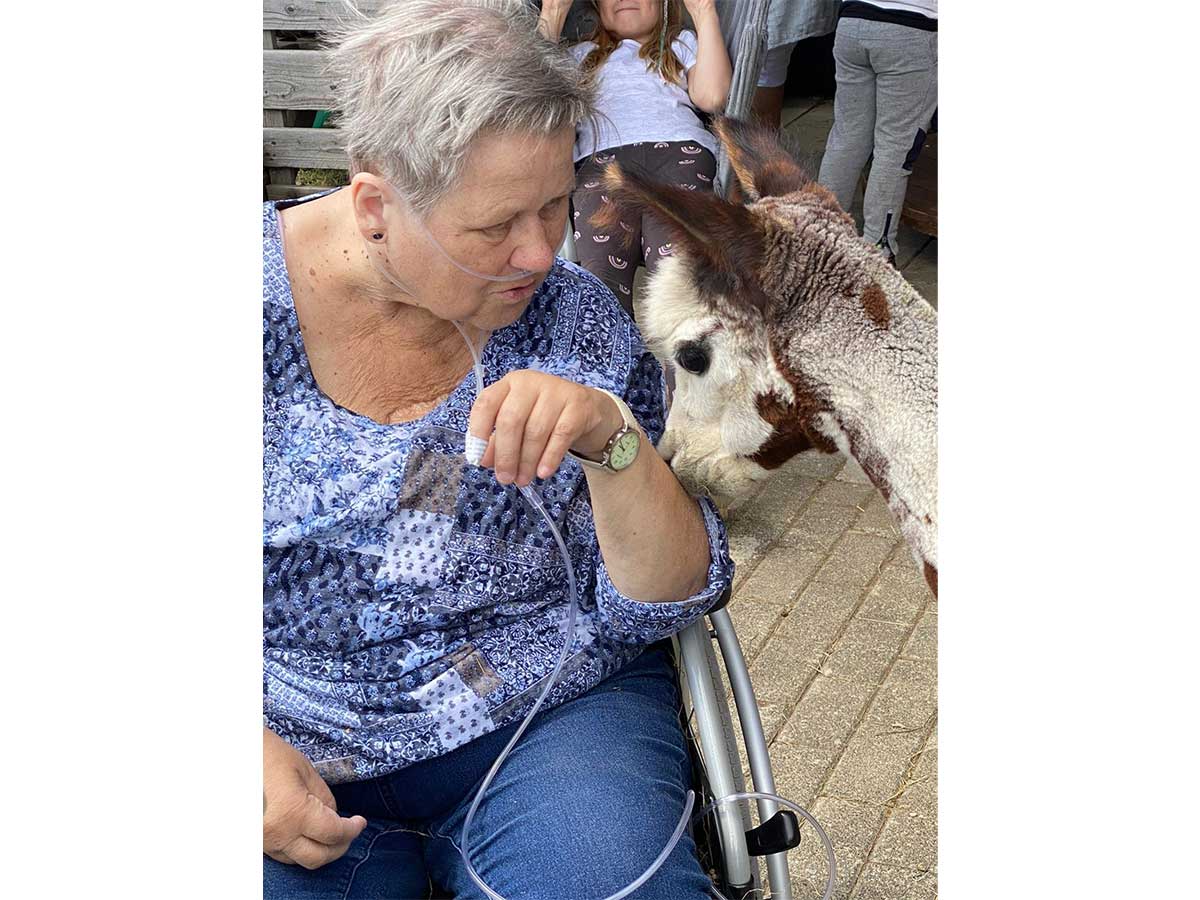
{"x":648,"y":121}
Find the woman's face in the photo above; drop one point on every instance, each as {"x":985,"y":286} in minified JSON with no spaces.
{"x":507,"y":214}
{"x":637,"y":19}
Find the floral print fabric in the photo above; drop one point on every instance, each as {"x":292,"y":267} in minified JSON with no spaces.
{"x":410,"y":602}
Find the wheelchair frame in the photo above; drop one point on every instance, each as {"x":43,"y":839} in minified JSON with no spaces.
{"x":714,"y":740}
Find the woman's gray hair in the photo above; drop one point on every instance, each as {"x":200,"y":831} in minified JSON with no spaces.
{"x":419,"y":81}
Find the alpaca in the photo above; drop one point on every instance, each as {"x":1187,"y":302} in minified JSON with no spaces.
{"x":787,"y":331}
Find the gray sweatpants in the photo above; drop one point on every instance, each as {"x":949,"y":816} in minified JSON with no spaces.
{"x":886,"y":95}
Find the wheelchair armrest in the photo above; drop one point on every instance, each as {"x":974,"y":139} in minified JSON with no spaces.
{"x":722,"y":601}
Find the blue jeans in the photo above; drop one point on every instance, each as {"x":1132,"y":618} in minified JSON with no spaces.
{"x":587,"y":800}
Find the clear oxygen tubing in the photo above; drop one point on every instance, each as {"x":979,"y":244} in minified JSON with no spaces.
{"x":390,"y":276}
{"x":475,"y":448}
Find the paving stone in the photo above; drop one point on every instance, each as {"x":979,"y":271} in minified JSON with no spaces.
{"x":845,"y":734}
{"x":794,"y":108}
{"x":855,"y":560}
{"x":923,"y":643}
{"x":744,"y":549}
{"x":753,"y":621}
{"x":772,"y":715}
{"x":780,"y":498}
{"x":906,"y":566}
{"x":825,"y":717}
{"x":907,"y":698}
{"x":820,"y":612}
{"x":818,"y":527}
{"x":865,"y":650}
{"x":808,"y":132}
{"x":852,"y":471}
{"x":799,"y":770}
{"x":769,"y":512}
{"x":909,"y":835}
{"x":814,"y":622}
{"x":880,"y":882}
{"x":876,"y":518}
{"x":873,"y":765}
{"x":894,"y":597}
{"x":817,"y":464}
{"x":779,"y":672}
{"x":851,"y":828}
{"x":843,"y":493}
{"x":779,"y":576}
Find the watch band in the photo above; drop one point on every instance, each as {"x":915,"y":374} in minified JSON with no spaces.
{"x":630,"y":424}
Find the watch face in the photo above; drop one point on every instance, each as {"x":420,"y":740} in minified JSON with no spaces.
{"x":624,"y":451}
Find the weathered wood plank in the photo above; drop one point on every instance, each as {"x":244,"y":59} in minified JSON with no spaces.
{"x":274,"y":118}
{"x":290,"y":191}
{"x":295,"y":79}
{"x":312,"y":15}
{"x":316,"y":148}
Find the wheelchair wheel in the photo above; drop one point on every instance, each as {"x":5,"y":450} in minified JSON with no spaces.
{"x":707,"y":833}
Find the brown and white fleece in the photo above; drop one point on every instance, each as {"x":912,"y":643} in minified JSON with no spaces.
{"x":787,"y":331}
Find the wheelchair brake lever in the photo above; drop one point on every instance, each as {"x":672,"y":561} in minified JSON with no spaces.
{"x":779,"y":833}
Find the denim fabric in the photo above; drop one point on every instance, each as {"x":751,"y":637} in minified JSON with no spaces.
{"x":586,"y":801}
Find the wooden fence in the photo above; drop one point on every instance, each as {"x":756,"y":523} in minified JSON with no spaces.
{"x":295,"y":87}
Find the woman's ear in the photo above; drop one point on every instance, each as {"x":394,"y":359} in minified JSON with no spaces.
{"x":370,"y":195}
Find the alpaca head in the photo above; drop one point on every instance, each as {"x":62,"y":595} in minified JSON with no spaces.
{"x":786,"y":332}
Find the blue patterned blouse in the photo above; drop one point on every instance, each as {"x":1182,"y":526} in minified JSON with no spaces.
{"x":410,"y":602}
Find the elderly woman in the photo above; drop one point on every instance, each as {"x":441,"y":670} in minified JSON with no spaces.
{"x":413,"y":603}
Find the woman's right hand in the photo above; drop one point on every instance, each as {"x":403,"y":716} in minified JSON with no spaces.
{"x":300,"y":821}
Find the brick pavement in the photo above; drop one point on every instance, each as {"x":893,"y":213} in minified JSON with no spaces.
{"x":840,"y":633}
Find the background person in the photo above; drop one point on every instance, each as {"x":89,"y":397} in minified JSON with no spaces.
{"x":653,"y":76}
{"x":886,"y":56}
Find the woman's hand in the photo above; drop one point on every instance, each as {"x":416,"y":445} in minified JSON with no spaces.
{"x":300,"y":821}
{"x":533,"y":418}
{"x":699,"y":7}
{"x":552,"y":18}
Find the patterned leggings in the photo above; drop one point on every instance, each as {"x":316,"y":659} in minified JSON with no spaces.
{"x":686,"y":164}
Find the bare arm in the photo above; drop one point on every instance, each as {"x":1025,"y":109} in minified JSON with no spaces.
{"x":651,"y":532}
{"x":552,"y":18}
{"x":709,"y":79}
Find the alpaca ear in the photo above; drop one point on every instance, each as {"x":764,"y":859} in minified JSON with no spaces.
{"x":725,"y":239}
{"x":763,"y":168}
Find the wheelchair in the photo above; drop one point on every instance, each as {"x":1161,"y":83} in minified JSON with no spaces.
{"x":729,"y":844}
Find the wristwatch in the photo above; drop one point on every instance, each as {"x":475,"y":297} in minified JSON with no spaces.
{"x":622,"y":448}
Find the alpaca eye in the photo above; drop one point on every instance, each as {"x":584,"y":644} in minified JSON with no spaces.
{"x":693,"y":357}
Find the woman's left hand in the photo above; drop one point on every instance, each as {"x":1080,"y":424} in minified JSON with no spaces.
{"x":533,"y":419}
{"x":698,"y":7}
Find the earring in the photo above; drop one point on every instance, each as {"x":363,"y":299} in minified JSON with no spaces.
{"x":377,"y":236}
